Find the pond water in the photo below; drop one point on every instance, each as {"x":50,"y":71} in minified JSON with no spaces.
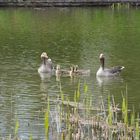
{"x":69,"y":36}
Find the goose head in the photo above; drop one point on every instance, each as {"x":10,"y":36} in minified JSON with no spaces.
{"x":44,"y":57}
{"x":58,"y":67}
{"x":76,"y":68}
{"x":102,"y":60}
{"x":72,"y":69}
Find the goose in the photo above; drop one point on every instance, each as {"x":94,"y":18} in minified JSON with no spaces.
{"x":72,"y":71}
{"x":46,"y":66}
{"x":78,"y":71}
{"x":60,"y":71}
{"x":102,"y":71}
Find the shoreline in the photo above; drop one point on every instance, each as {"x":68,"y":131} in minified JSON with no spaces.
{"x":64,"y":3}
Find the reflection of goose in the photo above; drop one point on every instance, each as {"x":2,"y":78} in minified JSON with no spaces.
{"x":45,"y":76}
{"x":46,"y":65}
{"x":102,"y":71}
{"x":104,"y":81}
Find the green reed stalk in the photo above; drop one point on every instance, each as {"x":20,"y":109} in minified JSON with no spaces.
{"x":31,"y":137}
{"x":78,"y":92}
{"x":47,"y":120}
{"x":132,"y":121}
{"x":68,"y":115}
{"x":137,"y":128}
{"x":125,"y":110}
{"x":85,"y":88}
{"x":110,"y":113}
{"x":16,"y":126}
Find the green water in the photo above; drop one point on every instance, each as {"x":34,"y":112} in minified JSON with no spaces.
{"x":69,"y":36}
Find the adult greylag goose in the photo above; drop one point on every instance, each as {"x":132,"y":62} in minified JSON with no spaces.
{"x":46,"y":66}
{"x":102,"y":71}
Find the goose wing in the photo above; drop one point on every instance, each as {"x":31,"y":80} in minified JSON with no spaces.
{"x":116,"y":69}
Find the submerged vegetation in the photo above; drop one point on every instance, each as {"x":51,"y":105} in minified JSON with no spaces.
{"x":80,"y":120}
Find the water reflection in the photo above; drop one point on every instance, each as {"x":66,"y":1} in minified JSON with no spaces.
{"x":58,"y":77}
{"x":109,"y":85}
{"x":111,"y":80}
{"x":45,"y":76}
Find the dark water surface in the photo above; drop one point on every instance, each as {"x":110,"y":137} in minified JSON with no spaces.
{"x":69,"y":36}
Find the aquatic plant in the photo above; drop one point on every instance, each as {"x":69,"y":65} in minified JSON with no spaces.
{"x":16,"y":126}
{"x":78,"y":119}
{"x":31,"y":137}
{"x":110,"y":113}
{"x":104,"y":124}
{"x":47,"y":120}
{"x":137,"y":136}
{"x":132,"y":121}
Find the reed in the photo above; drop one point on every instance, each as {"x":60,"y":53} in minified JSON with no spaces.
{"x":85,"y":88}
{"x":78,"y":92}
{"x":16,"y":127}
{"x":31,"y":137}
{"x":46,"y":123}
{"x":110,"y":114}
{"x":124,"y":110}
{"x":104,"y":124}
{"x":132,"y":121}
{"x":137,"y":137}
